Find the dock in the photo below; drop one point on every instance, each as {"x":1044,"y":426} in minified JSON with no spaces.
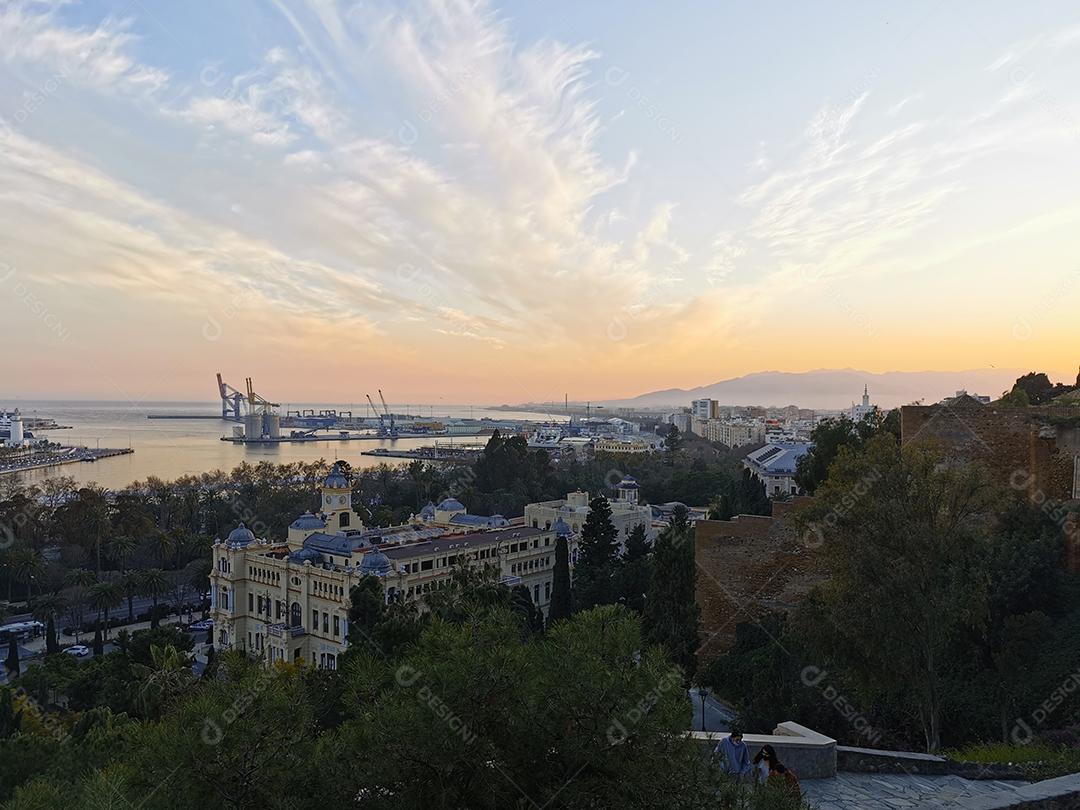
{"x":67,"y":455}
{"x":187,"y":416}
{"x":428,"y":454}
{"x":329,"y":437}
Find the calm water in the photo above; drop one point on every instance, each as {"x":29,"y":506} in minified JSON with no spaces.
{"x":169,"y":448}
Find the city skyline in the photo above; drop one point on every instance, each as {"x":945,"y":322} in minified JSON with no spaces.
{"x":506,"y":202}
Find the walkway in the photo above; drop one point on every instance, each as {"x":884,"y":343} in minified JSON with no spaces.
{"x":864,"y":791}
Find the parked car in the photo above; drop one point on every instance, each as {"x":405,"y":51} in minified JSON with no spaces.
{"x":80,"y":650}
{"x":205,"y":624}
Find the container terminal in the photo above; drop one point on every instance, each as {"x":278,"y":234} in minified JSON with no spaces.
{"x":257,"y":420}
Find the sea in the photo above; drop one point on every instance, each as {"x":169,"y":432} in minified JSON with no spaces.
{"x":169,"y":448}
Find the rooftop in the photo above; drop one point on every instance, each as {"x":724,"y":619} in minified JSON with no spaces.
{"x":456,"y":541}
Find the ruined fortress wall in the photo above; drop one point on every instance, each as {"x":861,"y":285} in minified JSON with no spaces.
{"x":1030,"y":449}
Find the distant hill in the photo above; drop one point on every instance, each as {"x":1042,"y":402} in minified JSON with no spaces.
{"x":834,"y":388}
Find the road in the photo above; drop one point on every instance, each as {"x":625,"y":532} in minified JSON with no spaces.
{"x":718,"y":716}
{"x":32,"y":651}
{"x":142,"y":604}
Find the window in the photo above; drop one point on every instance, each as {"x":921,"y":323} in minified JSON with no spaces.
{"x":337,"y":626}
{"x":295,"y":614}
{"x":536,"y":593}
{"x":547,"y":591}
{"x":251,"y":603}
{"x":314,"y":621}
{"x":534,"y":524}
{"x":260,"y":605}
{"x":326,"y":622}
{"x":426,"y":565}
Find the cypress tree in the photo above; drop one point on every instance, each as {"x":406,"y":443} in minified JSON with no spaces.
{"x":672,"y":615}
{"x":596,"y":557}
{"x":560,"y":606}
{"x":99,"y":647}
{"x":10,"y":718}
{"x":12,"y":661}
{"x":634,"y":571}
{"x":52,"y":645}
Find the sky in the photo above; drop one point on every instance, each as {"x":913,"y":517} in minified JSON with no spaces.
{"x":472,"y":202}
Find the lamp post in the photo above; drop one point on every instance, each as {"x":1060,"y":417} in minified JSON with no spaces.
{"x":704,"y":697}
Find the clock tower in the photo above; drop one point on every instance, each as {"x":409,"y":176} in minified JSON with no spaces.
{"x":336,"y":503}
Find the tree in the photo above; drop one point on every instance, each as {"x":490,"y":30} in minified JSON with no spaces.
{"x":78,"y":581}
{"x":10,"y":717}
{"x":12,"y":660}
{"x":130,"y":583}
{"x":748,"y":497}
{"x":907,"y":578}
{"x":155,"y":584}
{"x":673,"y":442}
{"x":530,"y":616}
{"x":104,"y":596}
{"x":597,"y":556}
{"x":27,"y":567}
{"x":164,"y":679}
{"x":672,"y":616}
{"x":635,"y":571}
{"x":46,"y":608}
{"x":827,"y":438}
{"x":583,"y":716}
{"x":561,"y":603}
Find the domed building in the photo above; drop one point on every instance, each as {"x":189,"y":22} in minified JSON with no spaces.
{"x":288,"y":600}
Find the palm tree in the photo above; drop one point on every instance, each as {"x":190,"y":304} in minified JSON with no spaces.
{"x":104,"y":596}
{"x":155,"y":584}
{"x":121,"y":547}
{"x":45,"y":609}
{"x":162,"y":544}
{"x":165,"y":679}
{"x":78,"y":580}
{"x":130,"y":582}
{"x":27,"y":565}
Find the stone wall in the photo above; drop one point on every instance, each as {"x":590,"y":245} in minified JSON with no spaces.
{"x":809,"y":754}
{"x":747,"y":567}
{"x":1032,"y":450}
{"x":1024,"y":448}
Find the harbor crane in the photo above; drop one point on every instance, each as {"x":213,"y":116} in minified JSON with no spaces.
{"x":232,"y":401}
{"x":257,"y":403}
{"x":374,"y":410}
{"x":389,"y":416}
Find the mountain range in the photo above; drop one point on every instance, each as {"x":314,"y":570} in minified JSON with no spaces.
{"x":833,"y":388}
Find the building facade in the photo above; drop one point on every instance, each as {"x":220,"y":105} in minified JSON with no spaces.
{"x":289,"y":600}
{"x":774,"y":465}
{"x":626,"y":511}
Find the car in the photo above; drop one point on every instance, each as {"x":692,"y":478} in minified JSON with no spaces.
{"x":205,"y":624}
{"x":80,"y":650}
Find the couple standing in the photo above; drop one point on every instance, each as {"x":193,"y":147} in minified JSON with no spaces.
{"x":766,"y":767}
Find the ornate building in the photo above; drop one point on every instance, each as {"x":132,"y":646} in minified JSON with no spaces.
{"x":289,"y":601}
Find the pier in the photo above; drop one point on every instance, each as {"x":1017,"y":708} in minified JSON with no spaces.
{"x":327,"y":437}
{"x":446,"y":454}
{"x":66,"y":455}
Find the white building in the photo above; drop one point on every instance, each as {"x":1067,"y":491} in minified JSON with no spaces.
{"x":774,"y":465}
{"x":860,"y":412}
{"x":289,"y":600}
{"x":704,"y":408}
{"x":626,"y":511}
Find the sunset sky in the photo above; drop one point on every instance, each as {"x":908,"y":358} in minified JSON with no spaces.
{"x":472,"y":202}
